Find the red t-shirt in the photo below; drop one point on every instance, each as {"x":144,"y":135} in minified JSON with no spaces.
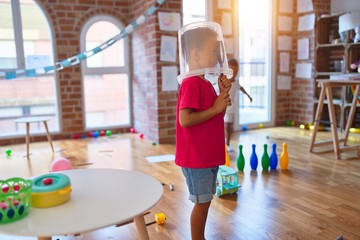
{"x":201,"y":145}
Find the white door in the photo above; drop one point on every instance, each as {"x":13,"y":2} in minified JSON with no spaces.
{"x":255,"y":56}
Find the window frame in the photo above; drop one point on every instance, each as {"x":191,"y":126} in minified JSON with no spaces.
{"x":85,"y":70}
{"x":21,"y":62}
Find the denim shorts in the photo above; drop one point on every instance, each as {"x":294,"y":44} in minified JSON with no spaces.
{"x":201,"y":183}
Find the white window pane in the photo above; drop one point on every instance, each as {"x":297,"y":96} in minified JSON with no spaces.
{"x":36,"y":33}
{"x":107,"y":100}
{"x":99,"y":33}
{"x":7,"y":39}
{"x":193,"y":11}
{"x":24,"y":98}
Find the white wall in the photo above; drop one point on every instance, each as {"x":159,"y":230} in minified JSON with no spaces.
{"x":345,"y":5}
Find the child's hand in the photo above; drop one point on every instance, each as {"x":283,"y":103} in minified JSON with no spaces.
{"x":224,"y":83}
{"x":221,"y":102}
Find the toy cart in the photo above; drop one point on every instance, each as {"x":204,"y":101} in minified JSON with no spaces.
{"x":227,"y":181}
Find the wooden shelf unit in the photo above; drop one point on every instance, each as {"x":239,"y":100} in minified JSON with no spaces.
{"x":332,"y":61}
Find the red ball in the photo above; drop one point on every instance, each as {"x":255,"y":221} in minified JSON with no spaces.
{"x":16,"y":187}
{"x":102,"y":133}
{"x":132,"y":130}
{"x":91,"y":134}
{"x":47,"y":181}
{"x":141,"y":135}
{"x":76,"y":136}
{"x":5,"y":189}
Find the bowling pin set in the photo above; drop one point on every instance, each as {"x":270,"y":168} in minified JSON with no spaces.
{"x":266,"y":160}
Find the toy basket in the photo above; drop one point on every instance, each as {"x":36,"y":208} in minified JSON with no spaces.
{"x":15,"y":197}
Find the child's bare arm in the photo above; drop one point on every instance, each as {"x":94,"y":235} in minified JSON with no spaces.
{"x":189,"y":117}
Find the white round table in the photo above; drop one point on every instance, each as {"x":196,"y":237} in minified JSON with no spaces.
{"x":27,"y":121}
{"x":99,"y":198}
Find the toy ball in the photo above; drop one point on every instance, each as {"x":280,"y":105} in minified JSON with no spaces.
{"x":160,"y":218}
{"x":108,"y":133}
{"x":261,"y":125}
{"x":8,"y":152}
{"x":91,"y":134}
{"x":132,"y":130}
{"x":302,"y":126}
{"x":60,"y":164}
{"x":244,"y":128}
{"x":287,"y":123}
{"x":292,"y":123}
{"x":153,"y":143}
{"x":83,"y":136}
{"x":102,"y":133}
{"x":96,"y":134}
{"x":141,"y":135}
{"x":75,"y":136}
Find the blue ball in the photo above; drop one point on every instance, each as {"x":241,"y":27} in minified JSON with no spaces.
{"x":244,"y":128}
{"x":96,"y":134}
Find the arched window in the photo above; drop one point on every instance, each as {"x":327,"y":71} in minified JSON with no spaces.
{"x":25,"y":43}
{"x":105,"y":75}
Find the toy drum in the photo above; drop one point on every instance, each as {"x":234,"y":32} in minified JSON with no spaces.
{"x":50,"y":190}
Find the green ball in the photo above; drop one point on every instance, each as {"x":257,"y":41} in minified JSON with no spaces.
{"x":108,"y":133}
{"x":8,"y":152}
{"x":153,"y":143}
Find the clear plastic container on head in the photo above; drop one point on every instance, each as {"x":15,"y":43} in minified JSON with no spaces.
{"x":202,"y":52}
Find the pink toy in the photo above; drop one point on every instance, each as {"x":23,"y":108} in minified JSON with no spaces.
{"x":60,"y":164}
{"x":355,"y":66}
{"x":141,"y":135}
{"x":102,"y":133}
{"x":132,"y":130}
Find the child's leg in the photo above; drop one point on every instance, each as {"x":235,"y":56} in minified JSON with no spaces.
{"x":202,"y":186}
{"x":198,"y":220}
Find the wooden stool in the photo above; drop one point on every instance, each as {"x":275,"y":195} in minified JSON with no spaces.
{"x":29,"y":120}
{"x":326,"y":90}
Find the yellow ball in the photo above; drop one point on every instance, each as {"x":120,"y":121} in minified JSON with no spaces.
{"x":261,"y":125}
{"x":302,"y":126}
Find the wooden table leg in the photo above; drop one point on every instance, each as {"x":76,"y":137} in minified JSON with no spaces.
{"x":27,"y":139}
{"x":44,"y":238}
{"x":141,"y":227}
{"x":48,"y":135}
{"x":333,"y":122}
{"x":317,"y":117}
{"x":351,"y":113}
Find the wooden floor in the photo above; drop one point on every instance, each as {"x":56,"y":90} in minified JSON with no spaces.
{"x":317,"y":198}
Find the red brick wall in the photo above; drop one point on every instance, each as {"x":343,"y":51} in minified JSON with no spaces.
{"x":153,"y":110}
{"x":297,"y":104}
